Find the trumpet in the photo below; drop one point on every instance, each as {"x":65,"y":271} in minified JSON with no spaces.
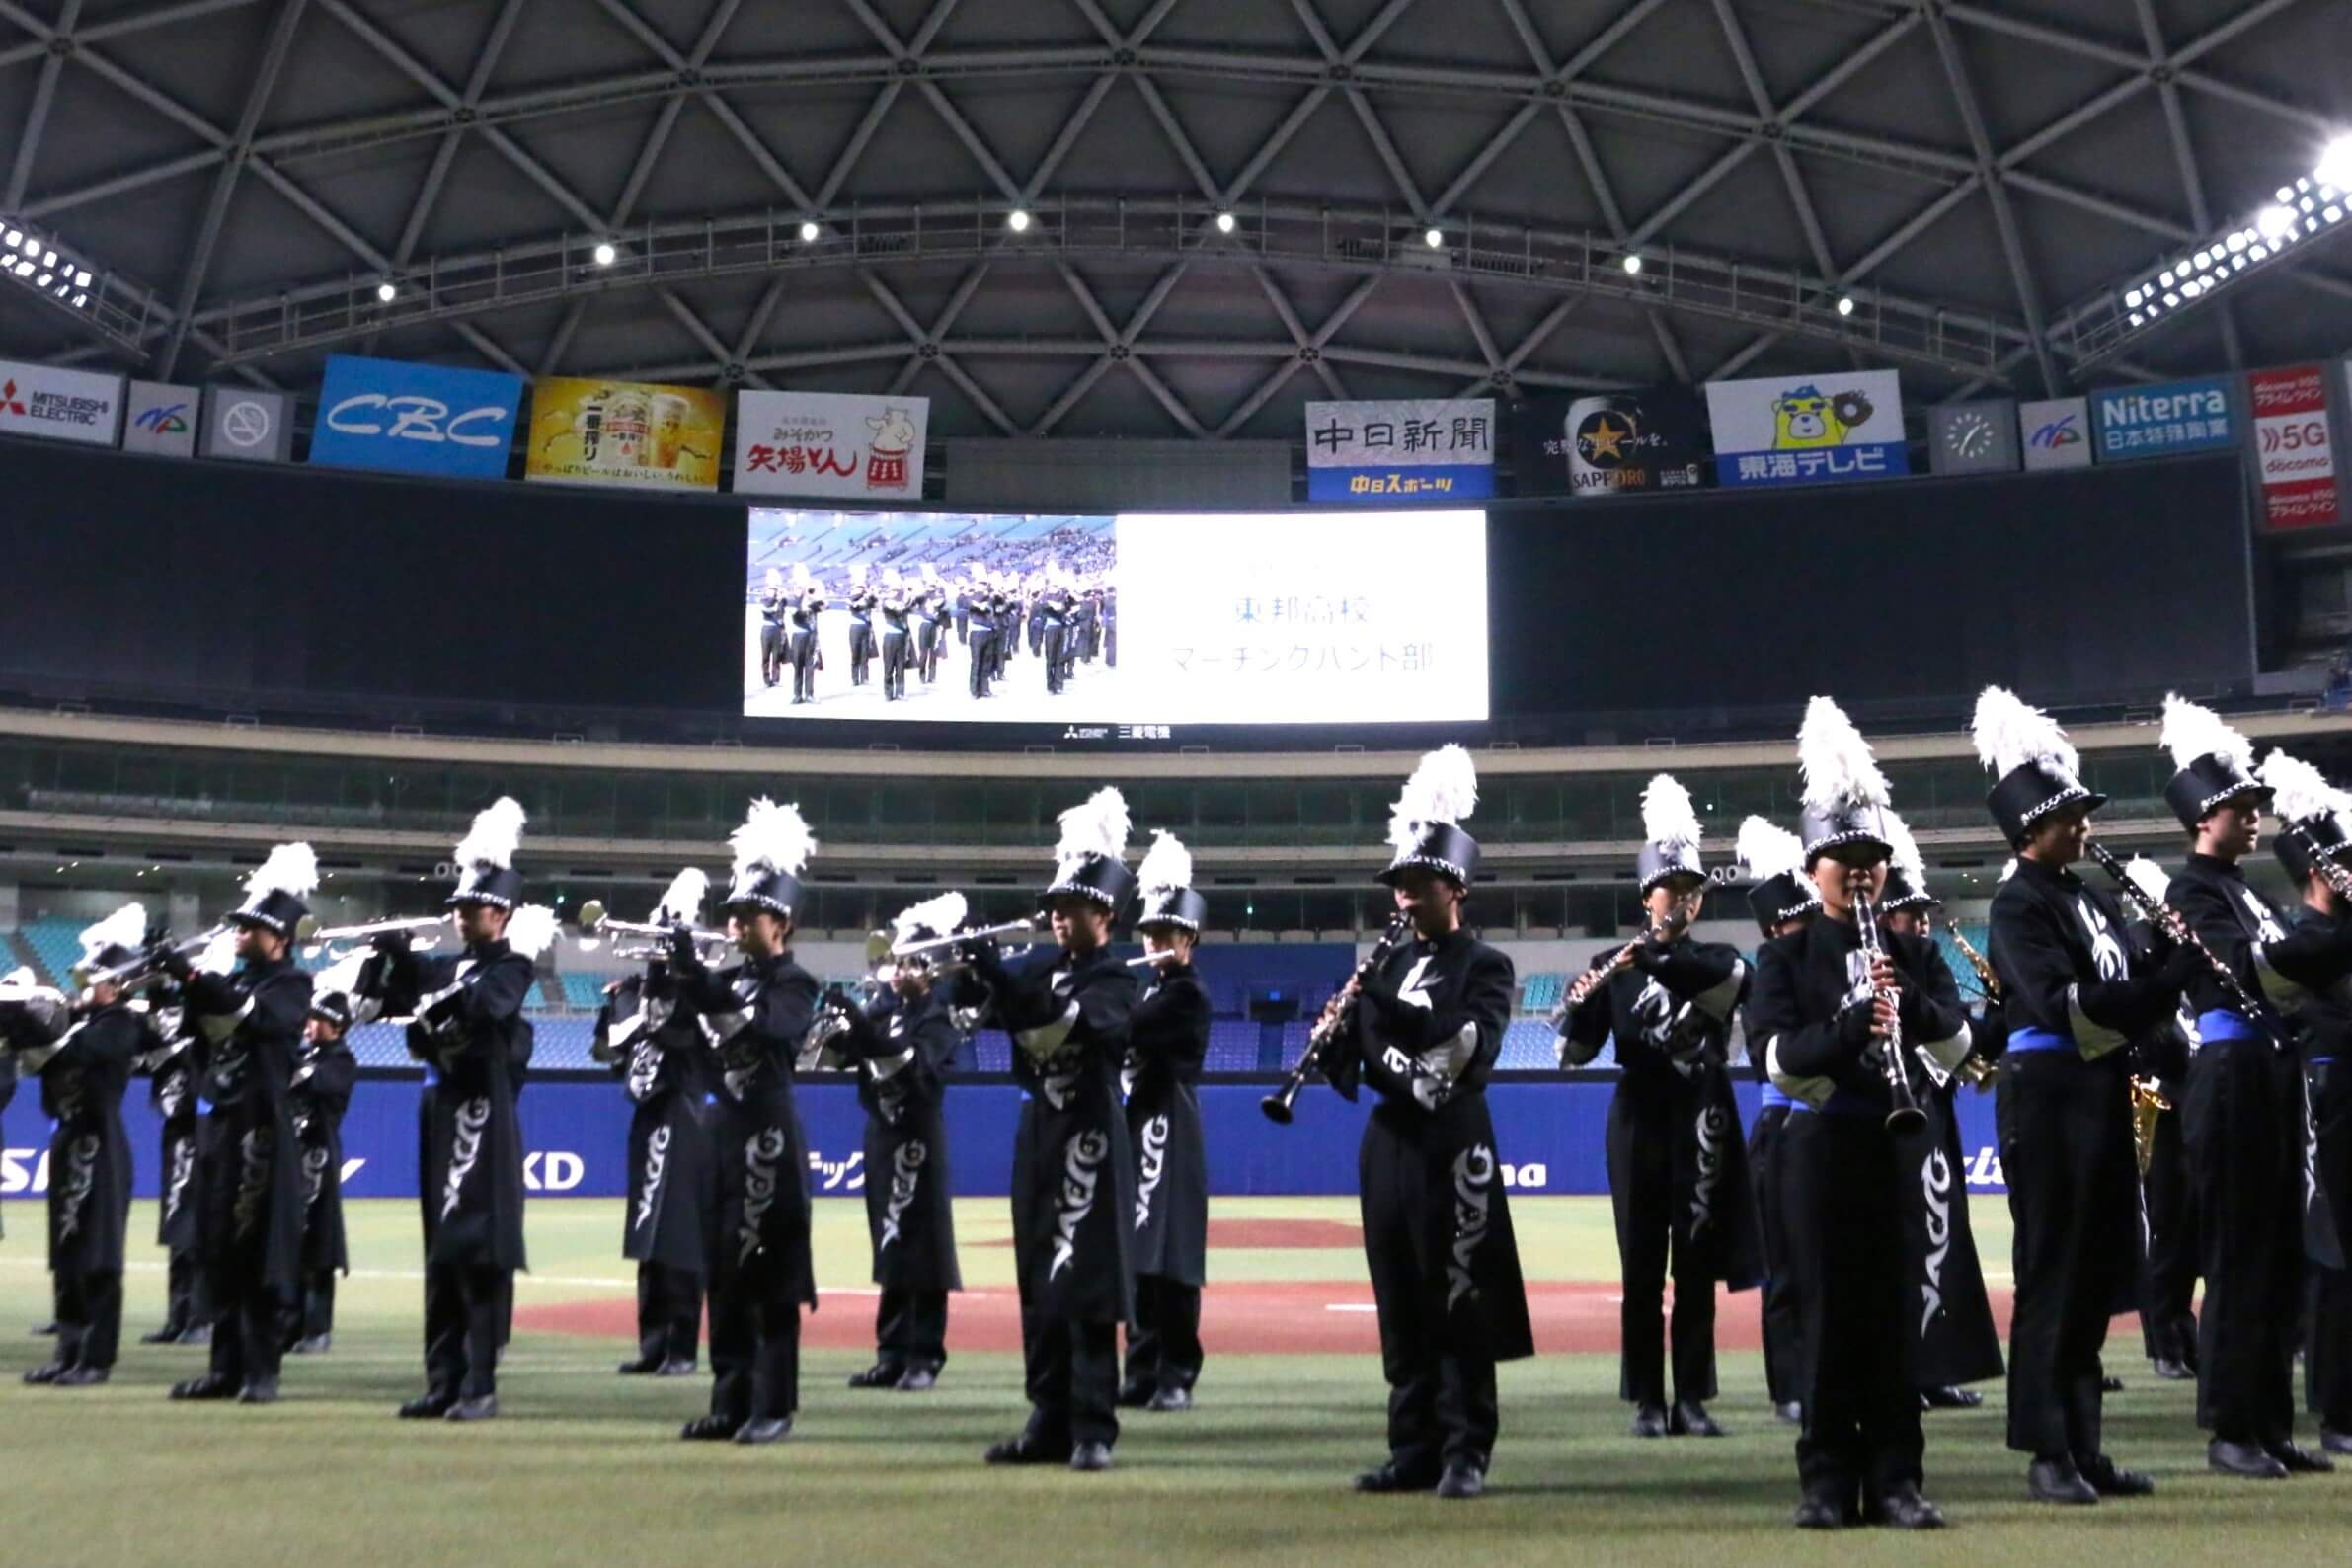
{"x":317,"y":939}
{"x":897,"y":950}
{"x":136,"y":969}
{"x":596,"y":922}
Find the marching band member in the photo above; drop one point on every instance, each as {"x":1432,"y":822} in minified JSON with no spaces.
{"x":976,"y":609}
{"x":2243,"y":1120}
{"x":893,"y":606}
{"x":32,"y":1018}
{"x":1837,"y":1007}
{"x":755,"y":1013}
{"x":2073,"y":989}
{"x":322,"y":1092}
{"x":467,"y":1011}
{"x":1073,"y":1177}
{"x":1676,"y":1178}
{"x":930,"y":632}
{"x":1780,"y":898}
{"x":771,"y":627}
{"x":250,"y":1181}
{"x":83,"y":1074}
{"x":1167,"y":1042}
{"x":808,"y":599}
{"x":902,"y":1059}
{"x":862,"y":600}
{"x":1445,"y":1269}
{"x":175,"y":1071}
{"x":654,"y":1047}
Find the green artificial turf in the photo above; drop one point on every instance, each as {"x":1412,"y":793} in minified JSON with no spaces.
{"x":584,"y":1467}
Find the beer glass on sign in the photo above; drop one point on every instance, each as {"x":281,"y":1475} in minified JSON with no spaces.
{"x":626,"y":417}
{"x":670,"y":429}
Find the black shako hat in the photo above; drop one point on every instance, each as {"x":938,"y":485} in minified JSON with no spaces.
{"x":1425,"y":824}
{"x":1089,"y":859}
{"x":2313,"y":812}
{"x":770,"y":849}
{"x":1166,"y":876}
{"x":1845,"y":795}
{"x":274,"y":893}
{"x":485,"y":858}
{"x":2214,"y":762}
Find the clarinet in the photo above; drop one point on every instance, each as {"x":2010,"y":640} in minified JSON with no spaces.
{"x":1334,"y":1023}
{"x":2167,"y":920}
{"x":1906,"y":1116}
{"x":2334,"y":874}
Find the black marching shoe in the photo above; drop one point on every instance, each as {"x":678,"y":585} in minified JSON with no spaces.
{"x":2058,"y":1481}
{"x":1789,"y":1411}
{"x":710,"y":1428}
{"x":2110,"y":1480}
{"x":770,"y":1429}
{"x":1648,"y":1422}
{"x":209,"y":1386}
{"x":642,"y":1366}
{"x":1949,"y":1397}
{"x":1902,"y":1508}
{"x":42,"y":1330}
{"x":312,"y":1345}
{"x":1461,"y":1481}
{"x":427,"y":1407}
{"x":1024,"y":1449}
{"x":2171,"y":1371}
{"x":479,"y":1408}
{"x":2335,"y":1440}
{"x":2247,"y":1460}
{"x":1388,"y":1479}
{"x":1690,"y":1420}
{"x":1171,"y":1399}
{"x":201,"y":1334}
{"x":260,"y":1391}
{"x":1820,"y":1512}
{"x":917,"y":1380}
{"x":169,"y":1334}
{"x":2110,"y":1384}
{"x":882,"y":1375}
{"x":2299,"y":1460}
{"x":80,"y":1377}
{"x":1134,"y":1396}
{"x":48,"y":1371}
{"x":1090,"y":1458}
{"x":677,"y":1367}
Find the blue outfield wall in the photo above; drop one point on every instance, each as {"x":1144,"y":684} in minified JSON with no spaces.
{"x":1549,"y":1138}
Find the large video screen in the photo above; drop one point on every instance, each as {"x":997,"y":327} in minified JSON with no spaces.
{"x":1140,"y":620}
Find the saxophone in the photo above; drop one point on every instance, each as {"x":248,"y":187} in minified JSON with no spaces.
{"x":1979,"y":1073}
{"x":2148,"y":1103}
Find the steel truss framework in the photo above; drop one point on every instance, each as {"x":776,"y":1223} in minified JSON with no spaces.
{"x":1776,"y":98}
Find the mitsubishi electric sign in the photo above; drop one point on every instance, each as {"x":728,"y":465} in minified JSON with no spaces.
{"x":59,"y":405}
{"x":415,"y":419}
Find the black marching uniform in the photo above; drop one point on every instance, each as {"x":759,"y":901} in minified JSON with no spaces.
{"x":929,"y":608}
{"x":656,"y":1049}
{"x":175,"y":1073}
{"x":1852,"y":1203}
{"x":976,"y":618}
{"x":83,"y":1077}
{"x":1677,"y":1178}
{"x":771,"y":635}
{"x":322,"y":1093}
{"x":904,"y":1055}
{"x":894,"y":646}
{"x":801,"y":640}
{"x":1167,"y":1042}
{"x":861,"y":633}
{"x":2169,"y":1274}
{"x":2324,"y":1042}
{"x":1781,"y":896}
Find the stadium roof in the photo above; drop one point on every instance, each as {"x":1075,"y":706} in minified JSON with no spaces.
{"x":1231,"y":206}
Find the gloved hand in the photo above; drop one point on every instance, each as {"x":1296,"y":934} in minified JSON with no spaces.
{"x":2180,"y":965}
{"x":685,"y":958}
{"x":394,"y":945}
{"x":172,"y":961}
{"x":987,"y":962}
{"x":1856,"y":1024}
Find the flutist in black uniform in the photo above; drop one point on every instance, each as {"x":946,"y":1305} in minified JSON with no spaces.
{"x":862,"y":600}
{"x":250,"y":1182}
{"x":322,"y":1093}
{"x":801,"y":614}
{"x":1428,"y":1025}
{"x":468,"y":1011}
{"x":83,"y":1074}
{"x":930,"y":630}
{"x":901,"y":1053}
{"x":174,"y":1065}
{"x":1780,"y":898}
{"x":893,"y":606}
{"x":1827,"y":1015}
{"x":975,"y":618}
{"x":654,"y":1047}
{"x":755,"y":1013}
{"x":1074,"y":1176}
{"x":2245,"y":1115}
{"x":2073,"y":992}
{"x":1677,"y":1176}
{"x":771,"y":627}
{"x":1167,"y":1042}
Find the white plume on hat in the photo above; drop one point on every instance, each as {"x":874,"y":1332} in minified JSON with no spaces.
{"x":942,"y":914}
{"x":2192,"y":730}
{"x":1767,"y":850}
{"x":344,"y":974}
{"x":496,"y":834}
{"x":2148,"y":876}
{"x":219,"y":955}
{"x":682,"y":900}
{"x":530,"y":930}
{"x":1167,"y":864}
{"x":1668,"y":817}
{"x":290,"y":868}
{"x":772,"y":838}
{"x":2010,"y":733}
{"x":1903,"y":850}
{"x":126,"y":927}
{"x":1097,"y":825}
{"x":1836,"y":761}
{"x":1443,"y":788}
{"x":2299,"y":790}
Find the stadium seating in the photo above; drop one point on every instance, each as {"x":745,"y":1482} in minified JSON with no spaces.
{"x":1540,"y":993}
{"x":582,"y":991}
{"x":57,"y":947}
{"x":1233,"y":1045}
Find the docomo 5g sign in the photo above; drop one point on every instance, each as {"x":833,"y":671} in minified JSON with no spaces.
{"x":2291,"y":452}
{"x":415,"y":419}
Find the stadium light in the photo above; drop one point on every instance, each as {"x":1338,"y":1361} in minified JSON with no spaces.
{"x":810,"y":231}
{"x":1017,"y":220}
{"x":1845,"y":304}
{"x":2335,"y":164}
{"x":385,"y":292}
{"x":1633,"y":266}
{"x":38,"y":261}
{"x":1224,"y":223}
{"x":1433,"y":237}
{"x":605,"y":254}
{"x":2301,"y":208}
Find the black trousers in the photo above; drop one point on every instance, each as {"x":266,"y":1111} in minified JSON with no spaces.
{"x":1842,"y":1197}
{"x":2066,"y":1148}
{"x":465,"y":1309}
{"x":669,"y":1312}
{"x":89,"y":1316}
{"x":910,"y":1328}
{"x":803,"y":665}
{"x":1783,"y":1323}
{"x":771,"y":653}
{"x":1641,"y":1190}
{"x":1164,"y":1349}
{"x":247,"y":1323}
{"x":2168,"y":1278}
{"x":926,"y":651}
{"x":2244,"y":1126}
{"x":1053,"y":654}
{"x":314,"y":1314}
{"x":1072,"y":1375}
{"x":861,"y":650}
{"x":983,"y":649}
{"x":2327,"y":1348}
{"x":185,"y":1301}
{"x":1440,"y":1365}
{"x":893,"y":664}
{"x":756,"y":1351}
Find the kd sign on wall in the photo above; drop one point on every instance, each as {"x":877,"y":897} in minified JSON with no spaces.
{"x":415,"y":419}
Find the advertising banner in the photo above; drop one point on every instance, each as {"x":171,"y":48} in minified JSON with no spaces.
{"x":161,"y":419}
{"x":247,"y":426}
{"x":2056,"y":433}
{"x":2291,"y":452}
{"x":1434,"y":449}
{"x":1796,"y":431}
{"x":830,"y":444}
{"x":1979,"y":438}
{"x":1607,"y":443}
{"x":2164,"y":419}
{"x":415,"y":419}
{"x":587,"y":431}
{"x":59,"y":405}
